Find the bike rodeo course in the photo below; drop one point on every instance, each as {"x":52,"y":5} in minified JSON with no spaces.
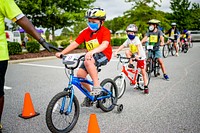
{"x":170,"y":106}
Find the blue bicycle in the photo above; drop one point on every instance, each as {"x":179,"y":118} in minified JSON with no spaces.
{"x":63,"y":110}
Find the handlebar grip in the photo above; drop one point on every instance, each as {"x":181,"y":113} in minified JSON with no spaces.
{"x":61,"y":56}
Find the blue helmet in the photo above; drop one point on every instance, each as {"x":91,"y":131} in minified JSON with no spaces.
{"x":185,"y":31}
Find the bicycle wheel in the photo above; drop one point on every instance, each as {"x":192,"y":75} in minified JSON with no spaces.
{"x":121,"y":85}
{"x":108,"y":104}
{"x":173,"y":51}
{"x":149,"y":68}
{"x":140,"y":81}
{"x":57,"y":120}
{"x":156,"y":68}
{"x":185,"y":48}
{"x":165,"y":51}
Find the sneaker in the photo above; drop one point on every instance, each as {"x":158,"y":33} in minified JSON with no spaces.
{"x":86,"y":102}
{"x":166,"y":77}
{"x":130,"y":65}
{"x":95,"y":91}
{"x":177,"y":54}
{"x":146,"y":90}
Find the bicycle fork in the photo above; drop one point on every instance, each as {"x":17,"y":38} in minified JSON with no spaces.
{"x":70,"y":102}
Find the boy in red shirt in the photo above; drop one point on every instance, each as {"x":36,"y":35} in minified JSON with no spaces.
{"x":97,"y":39}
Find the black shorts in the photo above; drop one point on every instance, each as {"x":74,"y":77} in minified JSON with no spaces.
{"x":100,"y":60}
{"x":3,"y":68}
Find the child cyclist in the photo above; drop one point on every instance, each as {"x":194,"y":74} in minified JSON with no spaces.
{"x":97,"y":39}
{"x":135,"y":47}
{"x":156,"y":37}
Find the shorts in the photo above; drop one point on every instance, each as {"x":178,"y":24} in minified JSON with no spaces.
{"x":141,"y":64}
{"x":3,"y":68}
{"x":100,"y":60}
{"x":158,"y":54}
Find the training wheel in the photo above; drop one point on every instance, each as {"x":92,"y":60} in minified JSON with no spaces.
{"x":119,"y":108}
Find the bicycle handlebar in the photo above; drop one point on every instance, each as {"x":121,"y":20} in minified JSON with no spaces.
{"x":68,"y":63}
{"x":126,"y":58}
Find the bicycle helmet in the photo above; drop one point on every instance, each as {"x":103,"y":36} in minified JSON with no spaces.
{"x":153,"y":21}
{"x":173,"y":24}
{"x":97,"y":13}
{"x":185,"y":31}
{"x":132,"y":28}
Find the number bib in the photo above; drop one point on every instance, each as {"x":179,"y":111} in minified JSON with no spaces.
{"x":153,"y":38}
{"x":133,"y":48}
{"x":92,"y":44}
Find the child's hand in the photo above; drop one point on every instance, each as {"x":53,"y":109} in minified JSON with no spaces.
{"x":58,"y":54}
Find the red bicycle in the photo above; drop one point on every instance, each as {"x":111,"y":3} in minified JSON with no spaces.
{"x":133,"y":74}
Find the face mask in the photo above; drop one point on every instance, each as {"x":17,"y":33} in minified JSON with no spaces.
{"x":151,"y":28}
{"x":131,"y":37}
{"x":93,"y":26}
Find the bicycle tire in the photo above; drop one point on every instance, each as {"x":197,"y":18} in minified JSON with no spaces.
{"x":121,"y":85}
{"x":140,"y":81}
{"x":173,"y":51}
{"x":149,"y":65}
{"x":156,"y":68}
{"x":53,"y":110}
{"x":114,"y":97}
{"x":186,"y":48}
{"x":165,"y":51}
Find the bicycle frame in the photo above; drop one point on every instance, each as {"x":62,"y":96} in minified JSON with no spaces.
{"x":125,"y":72}
{"x":76,"y":81}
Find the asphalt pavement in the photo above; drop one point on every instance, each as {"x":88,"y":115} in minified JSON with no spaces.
{"x":170,"y":107}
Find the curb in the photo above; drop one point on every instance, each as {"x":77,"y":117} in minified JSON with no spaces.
{"x":31,"y":59}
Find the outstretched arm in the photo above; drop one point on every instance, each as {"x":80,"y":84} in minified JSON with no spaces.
{"x":28,"y":27}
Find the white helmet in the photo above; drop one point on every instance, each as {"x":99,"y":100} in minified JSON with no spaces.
{"x":132,"y":28}
{"x":173,"y":24}
{"x":97,"y":13}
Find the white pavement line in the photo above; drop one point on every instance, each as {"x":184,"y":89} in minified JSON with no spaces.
{"x":37,"y":65}
{"x":7,"y":88}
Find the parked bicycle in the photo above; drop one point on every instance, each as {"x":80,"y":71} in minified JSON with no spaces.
{"x":134,"y":76}
{"x":63,"y":110}
{"x":152,"y":64}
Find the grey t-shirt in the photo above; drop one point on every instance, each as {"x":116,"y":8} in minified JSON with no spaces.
{"x":154,"y":38}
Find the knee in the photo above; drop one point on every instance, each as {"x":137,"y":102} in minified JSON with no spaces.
{"x":79,"y":74}
{"x":88,"y":63}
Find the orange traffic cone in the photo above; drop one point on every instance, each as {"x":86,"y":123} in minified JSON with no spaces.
{"x":93,"y":126}
{"x":28,"y":109}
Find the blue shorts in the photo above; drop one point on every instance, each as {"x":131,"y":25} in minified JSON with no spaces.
{"x":158,"y":54}
{"x":100,"y":60}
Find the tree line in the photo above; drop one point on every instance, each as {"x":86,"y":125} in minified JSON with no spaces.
{"x":69,"y":15}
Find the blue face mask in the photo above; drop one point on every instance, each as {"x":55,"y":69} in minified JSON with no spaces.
{"x":131,"y":37}
{"x":93,"y":26}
